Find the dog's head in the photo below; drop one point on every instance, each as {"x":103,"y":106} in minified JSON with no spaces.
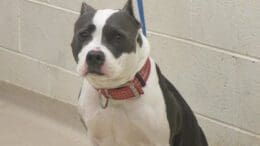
{"x":108,"y":45}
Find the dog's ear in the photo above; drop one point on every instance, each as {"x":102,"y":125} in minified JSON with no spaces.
{"x":86,"y":8}
{"x":129,"y":8}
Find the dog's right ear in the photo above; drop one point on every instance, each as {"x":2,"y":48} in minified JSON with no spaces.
{"x":86,"y":8}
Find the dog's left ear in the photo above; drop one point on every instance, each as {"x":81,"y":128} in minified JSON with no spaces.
{"x":129,"y":8}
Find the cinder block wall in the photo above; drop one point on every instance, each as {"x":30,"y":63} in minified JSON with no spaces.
{"x":209,"y":49}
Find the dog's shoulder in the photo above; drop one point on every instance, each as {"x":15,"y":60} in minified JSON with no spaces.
{"x":183,"y":123}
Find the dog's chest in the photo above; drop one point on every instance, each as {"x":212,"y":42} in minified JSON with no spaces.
{"x":141,"y":121}
{"x":118,"y":126}
{"x":135,"y":123}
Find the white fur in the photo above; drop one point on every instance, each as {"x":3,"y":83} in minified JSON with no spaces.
{"x":134,"y":122}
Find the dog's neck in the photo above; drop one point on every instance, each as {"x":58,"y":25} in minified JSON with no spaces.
{"x":128,"y":75}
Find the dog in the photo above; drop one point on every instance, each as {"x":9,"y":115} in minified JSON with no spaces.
{"x":125,"y":99}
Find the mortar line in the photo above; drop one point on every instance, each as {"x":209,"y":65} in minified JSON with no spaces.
{"x":206,"y":46}
{"x":227,"y":125}
{"x":6,"y":48}
{"x":53,"y":6}
{"x":38,"y":61}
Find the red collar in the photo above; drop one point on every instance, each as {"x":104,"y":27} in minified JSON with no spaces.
{"x":131,"y":89}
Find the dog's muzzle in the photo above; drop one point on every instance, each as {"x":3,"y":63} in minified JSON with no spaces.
{"x":95,"y":60}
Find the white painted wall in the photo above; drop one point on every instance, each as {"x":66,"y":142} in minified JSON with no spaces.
{"x":209,"y":49}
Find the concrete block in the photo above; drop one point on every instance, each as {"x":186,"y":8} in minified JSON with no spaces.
{"x":224,"y":135}
{"x":9,"y":11}
{"x":47,"y":34}
{"x":40,"y":77}
{"x":232,"y":25}
{"x":169,"y":17}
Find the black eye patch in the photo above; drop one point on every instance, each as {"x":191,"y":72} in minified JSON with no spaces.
{"x":85,"y":34}
{"x":83,"y":31}
{"x":120,"y":34}
{"x":112,"y":35}
{"x":117,"y":41}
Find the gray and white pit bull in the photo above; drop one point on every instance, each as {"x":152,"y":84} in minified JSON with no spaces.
{"x":125,"y":99}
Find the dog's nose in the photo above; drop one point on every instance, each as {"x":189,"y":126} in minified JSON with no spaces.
{"x":95,"y":57}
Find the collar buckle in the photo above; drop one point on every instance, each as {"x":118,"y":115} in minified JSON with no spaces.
{"x":134,"y":90}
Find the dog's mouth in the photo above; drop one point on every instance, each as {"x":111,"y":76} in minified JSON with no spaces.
{"x":90,"y":71}
{"x":95,"y":72}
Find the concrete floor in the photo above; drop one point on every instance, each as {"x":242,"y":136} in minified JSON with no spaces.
{"x":29,"y":119}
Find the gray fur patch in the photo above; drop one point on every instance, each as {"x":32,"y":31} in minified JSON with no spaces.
{"x":120,"y":33}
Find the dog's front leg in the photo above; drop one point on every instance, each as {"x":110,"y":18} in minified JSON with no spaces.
{"x":89,"y":140}
{"x":88,"y":107}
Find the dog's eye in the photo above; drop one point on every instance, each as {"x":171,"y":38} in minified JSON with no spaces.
{"x":84,"y":34}
{"x":118,"y":36}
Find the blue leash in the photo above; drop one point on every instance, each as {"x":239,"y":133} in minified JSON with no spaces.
{"x":142,"y":17}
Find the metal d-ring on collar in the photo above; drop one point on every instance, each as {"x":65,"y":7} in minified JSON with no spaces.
{"x":103,"y":105}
